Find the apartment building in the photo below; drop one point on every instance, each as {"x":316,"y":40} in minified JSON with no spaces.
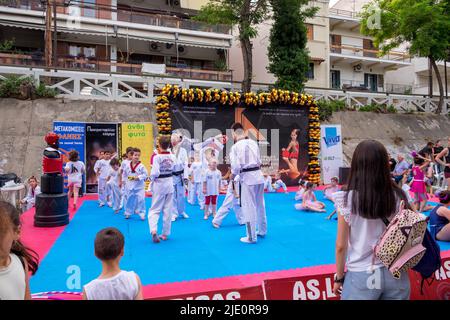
{"x":117,"y":36}
{"x":341,"y":57}
{"x":318,"y":45}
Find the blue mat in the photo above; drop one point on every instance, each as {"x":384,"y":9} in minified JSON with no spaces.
{"x":195,"y":249}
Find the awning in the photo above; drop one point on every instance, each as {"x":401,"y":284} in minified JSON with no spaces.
{"x":318,"y":60}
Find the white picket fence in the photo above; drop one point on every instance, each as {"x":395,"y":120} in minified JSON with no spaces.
{"x":143,"y":89}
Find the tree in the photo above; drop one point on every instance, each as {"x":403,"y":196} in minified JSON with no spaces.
{"x":246,"y":14}
{"x":288,"y":55}
{"x":423,"y":25}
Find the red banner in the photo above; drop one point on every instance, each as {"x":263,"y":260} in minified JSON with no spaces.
{"x":312,"y":287}
{"x":438,"y":289}
{"x":249,"y":293}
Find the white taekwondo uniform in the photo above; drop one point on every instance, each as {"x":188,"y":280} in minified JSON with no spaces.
{"x":180,"y":172}
{"x":230,"y":202}
{"x":135,"y":190}
{"x":162,"y":191}
{"x":245,"y":161}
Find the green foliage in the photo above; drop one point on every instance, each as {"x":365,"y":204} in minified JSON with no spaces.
{"x":221,"y":65}
{"x":7,"y":45}
{"x":327,"y":107}
{"x":43,"y":91}
{"x":10,"y":87}
{"x":288,"y":55}
{"x":24,"y":88}
{"x":245,"y":13}
{"x":423,"y":24}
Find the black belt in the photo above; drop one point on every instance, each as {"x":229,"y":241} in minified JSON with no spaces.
{"x":178,"y":173}
{"x":250,"y":169}
{"x":167,"y":175}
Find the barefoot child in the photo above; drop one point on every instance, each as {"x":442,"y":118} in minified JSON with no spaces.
{"x":300,"y":191}
{"x":16,"y":260}
{"x":162,"y":190}
{"x":101,"y":169}
{"x":211,"y":186}
{"x":122,"y":180}
{"x":75,"y":170}
{"x":197,"y":182}
{"x":112,"y":182}
{"x":278,"y":184}
{"x":332,"y":188}
{"x":32,"y":191}
{"x":113,"y":283}
{"x":135,"y":174}
{"x":310,"y":202}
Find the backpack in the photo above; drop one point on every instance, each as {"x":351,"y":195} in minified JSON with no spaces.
{"x":431,"y":261}
{"x":400,"y":246}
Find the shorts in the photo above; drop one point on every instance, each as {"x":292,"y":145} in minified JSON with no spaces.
{"x":376,"y":285}
{"x":76,"y":184}
{"x":447,"y":175}
{"x":211,"y":200}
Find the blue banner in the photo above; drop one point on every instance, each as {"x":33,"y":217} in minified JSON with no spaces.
{"x":72,"y":136}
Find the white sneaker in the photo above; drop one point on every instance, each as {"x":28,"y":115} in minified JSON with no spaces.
{"x":174,"y":218}
{"x":184,"y":215}
{"x":142,"y":216}
{"x":101,"y":205}
{"x":246,"y":240}
{"x":127,"y":216}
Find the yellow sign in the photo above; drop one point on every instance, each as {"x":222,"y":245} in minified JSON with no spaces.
{"x":138,"y":135}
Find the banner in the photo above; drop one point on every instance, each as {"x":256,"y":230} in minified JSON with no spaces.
{"x":438,"y":289}
{"x":249,"y":293}
{"x":99,"y":137}
{"x":202,"y":122}
{"x":71,"y":137}
{"x":312,"y":287}
{"x":138,"y":135}
{"x":281,"y":132}
{"x":331,"y":151}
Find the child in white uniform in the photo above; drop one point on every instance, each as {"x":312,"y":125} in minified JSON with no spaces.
{"x":136,"y":174}
{"x":122,"y":180}
{"x":32,"y":191}
{"x":180,"y":177}
{"x":162,"y":190}
{"x":113,"y":184}
{"x":75,"y":170}
{"x":101,"y":168}
{"x":231,"y":201}
{"x":211,"y":185}
{"x":278,"y":184}
{"x":197,"y":182}
{"x":268,"y":183}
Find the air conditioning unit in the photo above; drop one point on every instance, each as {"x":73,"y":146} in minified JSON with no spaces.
{"x":357,"y":68}
{"x":174,"y":3}
{"x":154,"y":46}
{"x":181,"y":50}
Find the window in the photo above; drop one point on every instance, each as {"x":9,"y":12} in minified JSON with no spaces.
{"x":336,"y":41}
{"x":310,"y":31}
{"x":310,"y":73}
{"x":89,"y":8}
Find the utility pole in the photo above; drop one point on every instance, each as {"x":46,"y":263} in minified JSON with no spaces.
{"x":48,"y":34}
{"x":55,"y":37}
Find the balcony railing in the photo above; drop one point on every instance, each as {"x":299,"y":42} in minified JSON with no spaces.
{"x":93,"y":64}
{"x":168,"y":21}
{"x":370,"y":53}
{"x":132,"y":15}
{"x":344,"y":13}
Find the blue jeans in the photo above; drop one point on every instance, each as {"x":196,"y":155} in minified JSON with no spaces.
{"x":378,"y":285}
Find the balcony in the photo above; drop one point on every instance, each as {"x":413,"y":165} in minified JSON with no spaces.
{"x":128,"y":14}
{"x":357,"y":51}
{"x":361,"y":86}
{"x":134,"y":16}
{"x":92,"y":64}
{"x":345,"y":14}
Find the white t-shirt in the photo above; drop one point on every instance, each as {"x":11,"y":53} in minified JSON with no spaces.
{"x":103,"y":166}
{"x":123,"y":286}
{"x":75,"y":171}
{"x":364,"y":235}
{"x":12,"y":280}
{"x":114,"y":174}
{"x":212,"y":179}
{"x":197,"y":171}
